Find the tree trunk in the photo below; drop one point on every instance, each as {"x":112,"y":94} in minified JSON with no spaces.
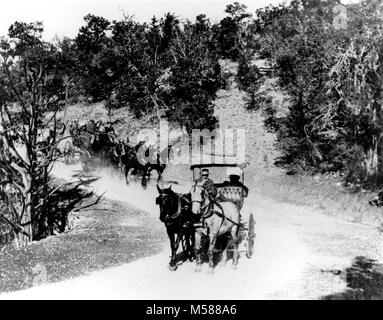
{"x":26,"y":221}
{"x":372,"y":159}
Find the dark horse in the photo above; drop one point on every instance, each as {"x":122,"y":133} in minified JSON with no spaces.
{"x":129,"y":163}
{"x":156,"y":161}
{"x":175,"y":213}
{"x":141,"y":160}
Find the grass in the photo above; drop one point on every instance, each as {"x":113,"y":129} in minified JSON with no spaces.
{"x":327,"y":194}
{"x":109,"y":235}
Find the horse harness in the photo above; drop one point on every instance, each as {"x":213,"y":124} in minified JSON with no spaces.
{"x":208,"y":210}
{"x":178,"y":212}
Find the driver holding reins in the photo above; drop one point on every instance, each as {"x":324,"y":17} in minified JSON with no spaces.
{"x":207,"y":183}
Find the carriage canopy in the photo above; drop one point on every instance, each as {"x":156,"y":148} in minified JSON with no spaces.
{"x":219,"y":168}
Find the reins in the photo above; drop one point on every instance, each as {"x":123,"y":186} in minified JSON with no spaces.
{"x":211,"y":210}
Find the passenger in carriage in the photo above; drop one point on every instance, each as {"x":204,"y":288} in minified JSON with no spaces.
{"x":234,"y":175}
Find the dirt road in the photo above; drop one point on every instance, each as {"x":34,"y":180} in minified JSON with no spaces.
{"x":294,"y":245}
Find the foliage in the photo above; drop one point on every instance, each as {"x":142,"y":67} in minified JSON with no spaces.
{"x":231,"y":32}
{"x":249,"y":79}
{"x":160,"y":68}
{"x":194,"y":77}
{"x":31,"y":87}
{"x":333,"y":77}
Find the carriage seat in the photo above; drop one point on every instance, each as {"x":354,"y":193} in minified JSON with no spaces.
{"x":232,"y":193}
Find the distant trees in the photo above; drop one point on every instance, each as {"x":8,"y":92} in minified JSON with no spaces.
{"x":249,"y":79}
{"x":162,"y":68}
{"x":94,"y":55}
{"x":194,"y":77}
{"x":169,"y":68}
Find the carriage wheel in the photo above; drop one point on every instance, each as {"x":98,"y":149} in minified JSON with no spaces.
{"x":68,"y":153}
{"x":250,"y":237}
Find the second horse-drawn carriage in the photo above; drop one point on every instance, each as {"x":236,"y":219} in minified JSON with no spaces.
{"x":87,"y":147}
{"x":94,"y":148}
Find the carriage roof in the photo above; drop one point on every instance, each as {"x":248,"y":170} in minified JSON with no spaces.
{"x":217,"y":166}
{"x":217,"y":161}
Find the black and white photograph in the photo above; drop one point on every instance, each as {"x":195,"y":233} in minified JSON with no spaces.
{"x":191,"y":150}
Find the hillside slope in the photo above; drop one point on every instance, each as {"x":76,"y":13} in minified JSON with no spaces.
{"x":261,"y":152}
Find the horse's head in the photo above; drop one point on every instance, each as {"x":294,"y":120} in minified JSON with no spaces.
{"x":168,"y":202}
{"x":199,"y":197}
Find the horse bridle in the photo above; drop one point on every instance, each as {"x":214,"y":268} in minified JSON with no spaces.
{"x":206,"y":195}
{"x":179,"y":208}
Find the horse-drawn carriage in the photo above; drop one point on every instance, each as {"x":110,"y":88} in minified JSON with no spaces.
{"x":219,"y":172}
{"x":222,"y":218}
{"x":86,"y":147}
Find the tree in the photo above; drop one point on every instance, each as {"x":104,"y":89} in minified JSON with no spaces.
{"x":67,"y":67}
{"x":194,"y":78}
{"x":357,"y":82}
{"x":29,"y":139}
{"x":231,"y":31}
{"x":141,"y":63}
{"x":249,"y":79}
{"x":25,"y":158}
{"x":333,"y":77}
{"x":95,"y":57}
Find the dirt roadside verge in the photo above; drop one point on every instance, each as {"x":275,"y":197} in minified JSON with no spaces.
{"x":111,"y":234}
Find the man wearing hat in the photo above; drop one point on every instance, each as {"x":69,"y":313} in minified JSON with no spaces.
{"x":207,"y":183}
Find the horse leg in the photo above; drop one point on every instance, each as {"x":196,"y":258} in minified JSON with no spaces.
{"x":126,"y":173}
{"x":235,"y":240}
{"x":149,"y":173}
{"x":213,"y":240}
{"x":224,"y":255}
{"x":226,"y":249}
{"x":144,"y":181}
{"x":160,"y":171}
{"x":121,"y":166}
{"x":197,"y":251}
{"x":190,"y":246}
{"x":174,"y":244}
{"x":159,"y":174}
